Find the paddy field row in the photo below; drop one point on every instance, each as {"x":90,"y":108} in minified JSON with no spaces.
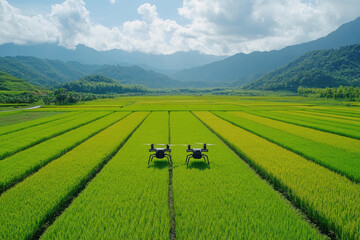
{"x":272,"y":175}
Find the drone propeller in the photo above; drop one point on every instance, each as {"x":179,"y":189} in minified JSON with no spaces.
{"x":159,"y":144}
{"x":207,"y":144}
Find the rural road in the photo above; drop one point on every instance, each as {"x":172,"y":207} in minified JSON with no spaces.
{"x":22,"y":109}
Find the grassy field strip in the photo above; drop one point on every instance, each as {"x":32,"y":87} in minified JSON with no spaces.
{"x":24,"y":116}
{"x":17,"y":141}
{"x":337,"y":123}
{"x":127,"y":199}
{"x":334,"y":140}
{"x":337,"y":112}
{"x":32,"y":123}
{"x":301,"y":121}
{"x":18,"y":166}
{"x":336,"y":159}
{"x":329,"y":119}
{"x":330,"y":115}
{"x":27,"y":206}
{"x":328,"y":198}
{"x":227,"y":200}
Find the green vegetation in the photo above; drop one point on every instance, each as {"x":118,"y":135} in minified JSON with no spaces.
{"x":337,"y":159}
{"x":290,"y":169}
{"x":22,"y":119}
{"x":136,"y":200}
{"x":27,"y":206}
{"x":11,"y":83}
{"x":101,"y":85}
{"x":313,"y":188}
{"x":23,"y":139}
{"x":18,"y":166}
{"x":329,"y":125}
{"x":316,"y":69}
{"x":50,"y":73}
{"x":341,"y":93}
{"x":226,"y":200}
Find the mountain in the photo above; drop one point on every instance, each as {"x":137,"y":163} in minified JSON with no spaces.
{"x":316,"y":69}
{"x":11,"y":83}
{"x":136,"y":75}
{"x":100,"y":85}
{"x":243,"y":68}
{"x":40,"y":72}
{"x":85,"y":55}
{"x":49,"y":73}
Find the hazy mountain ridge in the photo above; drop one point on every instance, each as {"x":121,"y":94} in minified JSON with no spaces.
{"x":244,"y":68}
{"x":86,"y":55}
{"x":50,"y":73}
{"x":315,"y":69}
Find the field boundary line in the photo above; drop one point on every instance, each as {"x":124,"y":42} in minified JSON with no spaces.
{"x":66,"y":150}
{"x":329,"y":167}
{"x":73,"y":194}
{"x":171,"y":194}
{"x":4,"y":156}
{"x":277,"y":185}
{"x":36,"y":124}
{"x":302,"y":125}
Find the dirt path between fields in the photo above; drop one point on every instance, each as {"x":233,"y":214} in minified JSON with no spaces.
{"x":22,"y":109}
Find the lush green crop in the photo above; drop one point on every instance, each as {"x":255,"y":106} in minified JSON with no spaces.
{"x":345,"y":143}
{"x":331,"y":115}
{"x":348,"y":123}
{"x":23,"y":116}
{"x":25,"y":207}
{"x":328,"y":126}
{"x":33,"y":123}
{"x":226,"y":200}
{"x":127,"y":199}
{"x":334,"y":158}
{"x":328,"y":198}
{"x":17,"y":141}
{"x":17,"y":166}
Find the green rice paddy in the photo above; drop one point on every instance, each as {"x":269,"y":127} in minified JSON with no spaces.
{"x":280,"y":168}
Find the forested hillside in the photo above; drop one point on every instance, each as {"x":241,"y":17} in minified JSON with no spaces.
{"x":50,"y":73}
{"x":244,"y":68}
{"x":316,"y":69}
{"x":101,"y":85}
{"x":11,"y":83}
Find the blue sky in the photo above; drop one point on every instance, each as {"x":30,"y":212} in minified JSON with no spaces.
{"x":218,"y":27}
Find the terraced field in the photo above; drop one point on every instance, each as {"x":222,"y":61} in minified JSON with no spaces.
{"x":280,"y":168}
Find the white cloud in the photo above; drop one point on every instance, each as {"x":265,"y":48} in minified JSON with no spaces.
{"x":112,"y":1}
{"x":216,"y":26}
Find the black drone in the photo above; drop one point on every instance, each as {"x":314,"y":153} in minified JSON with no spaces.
{"x":197,"y":153}
{"x":160,"y":153}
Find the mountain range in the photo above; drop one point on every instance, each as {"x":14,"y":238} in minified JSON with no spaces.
{"x":52,"y":65}
{"x":244,"y":68}
{"x":50,"y":73}
{"x":318,"y":68}
{"x":161,"y":63}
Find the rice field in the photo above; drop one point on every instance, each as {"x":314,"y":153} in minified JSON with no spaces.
{"x":280,"y":168}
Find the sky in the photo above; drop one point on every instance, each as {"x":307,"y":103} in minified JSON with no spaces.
{"x":217,"y":27}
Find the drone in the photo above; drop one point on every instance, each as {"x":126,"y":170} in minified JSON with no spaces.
{"x":160,"y":153}
{"x":197,"y":153}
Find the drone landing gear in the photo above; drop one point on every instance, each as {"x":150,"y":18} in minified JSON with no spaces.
{"x":152,"y":156}
{"x":205,"y":157}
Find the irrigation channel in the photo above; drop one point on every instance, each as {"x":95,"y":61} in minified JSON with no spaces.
{"x":99,"y":186}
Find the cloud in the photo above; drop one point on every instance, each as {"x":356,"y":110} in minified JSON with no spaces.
{"x":21,"y":29}
{"x":221,"y":27}
{"x":112,"y":1}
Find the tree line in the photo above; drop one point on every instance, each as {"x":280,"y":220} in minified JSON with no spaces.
{"x":58,"y":97}
{"x":340,"y":93}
